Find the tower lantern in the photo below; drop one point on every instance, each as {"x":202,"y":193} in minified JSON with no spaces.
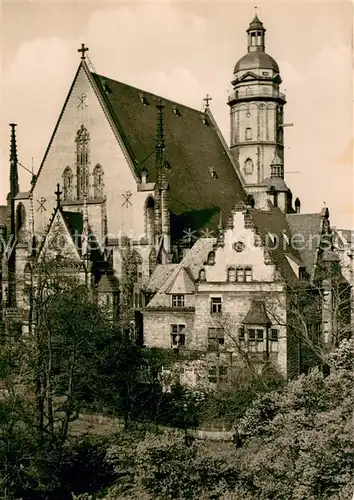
{"x":256,"y":36}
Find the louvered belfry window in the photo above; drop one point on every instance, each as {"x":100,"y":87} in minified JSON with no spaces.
{"x":82,"y":161}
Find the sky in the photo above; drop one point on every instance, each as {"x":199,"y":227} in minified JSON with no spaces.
{"x":182,"y":51}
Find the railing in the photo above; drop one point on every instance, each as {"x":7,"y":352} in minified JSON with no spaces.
{"x":239,"y":94}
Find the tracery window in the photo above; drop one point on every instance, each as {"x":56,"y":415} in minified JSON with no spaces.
{"x":68,"y":183}
{"x":82,"y":160}
{"x":98,"y":181}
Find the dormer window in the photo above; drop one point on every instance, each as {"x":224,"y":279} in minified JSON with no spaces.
{"x":213,"y":173}
{"x":143,"y":99}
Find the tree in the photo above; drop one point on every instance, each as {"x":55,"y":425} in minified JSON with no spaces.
{"x":299,"y":441}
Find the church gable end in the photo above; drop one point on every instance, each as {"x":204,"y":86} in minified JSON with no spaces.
{"x":85,"y":155}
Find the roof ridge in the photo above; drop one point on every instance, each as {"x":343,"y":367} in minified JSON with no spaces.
{"x":165,"y":99}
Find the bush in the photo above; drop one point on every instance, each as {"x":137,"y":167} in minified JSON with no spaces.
{"x":55,"y":472}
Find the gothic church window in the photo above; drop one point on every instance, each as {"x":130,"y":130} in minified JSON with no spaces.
{"x":68,"y":183}
{"x":20,"y":218}
{"x":248,"y":134}
{"x":98,"y":181}
{"x":82,"y":160}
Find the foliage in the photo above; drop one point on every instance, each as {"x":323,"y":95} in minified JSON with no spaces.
{"x":129,"y":279}
{"x":163,"y":467}
{"x":299,"y":441}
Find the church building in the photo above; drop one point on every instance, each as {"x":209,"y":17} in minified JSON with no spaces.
{"x":211,"y":225}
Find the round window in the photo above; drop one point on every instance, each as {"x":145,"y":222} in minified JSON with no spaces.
{"x":238,"y":246}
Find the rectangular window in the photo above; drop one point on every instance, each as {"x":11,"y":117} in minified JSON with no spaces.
{"x":248,"y":274}
{"x":177,"y":300}
{"x":241,"y":334}
{"x":240,"y":275}
{"x":218,"y":374}
{"x":216,"y":305}
{"x":178,"y":336}
{"x":251,"y":334}
{"x":260,"y":334}
{"x":231,"y":274}
{"x":244,"y":274}
{"x":274,"y":334}
{"x":215,"y":338}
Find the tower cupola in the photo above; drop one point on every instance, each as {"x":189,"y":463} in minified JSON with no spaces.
{"x":256,"y":36}
{"x":277,"y":167}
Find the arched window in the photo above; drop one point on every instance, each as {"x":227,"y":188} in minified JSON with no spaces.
{"x":211,"y":258}
{"x":68,"y":183}
{"x":82,"y":161}
{"x":20,"y":218}
{"x":248,"y":135}
{"x":149,"y":219}
{"x":98,"y":181}
{"x":248,"y":166}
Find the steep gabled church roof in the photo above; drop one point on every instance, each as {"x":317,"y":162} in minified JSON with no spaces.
{"x":194,"y":147}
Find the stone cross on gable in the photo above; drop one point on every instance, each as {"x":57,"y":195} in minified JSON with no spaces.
{"x":83,"y":50}
{"x":207,"y":98}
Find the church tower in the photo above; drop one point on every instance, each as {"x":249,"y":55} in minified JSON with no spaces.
{"x":256,"y":110}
